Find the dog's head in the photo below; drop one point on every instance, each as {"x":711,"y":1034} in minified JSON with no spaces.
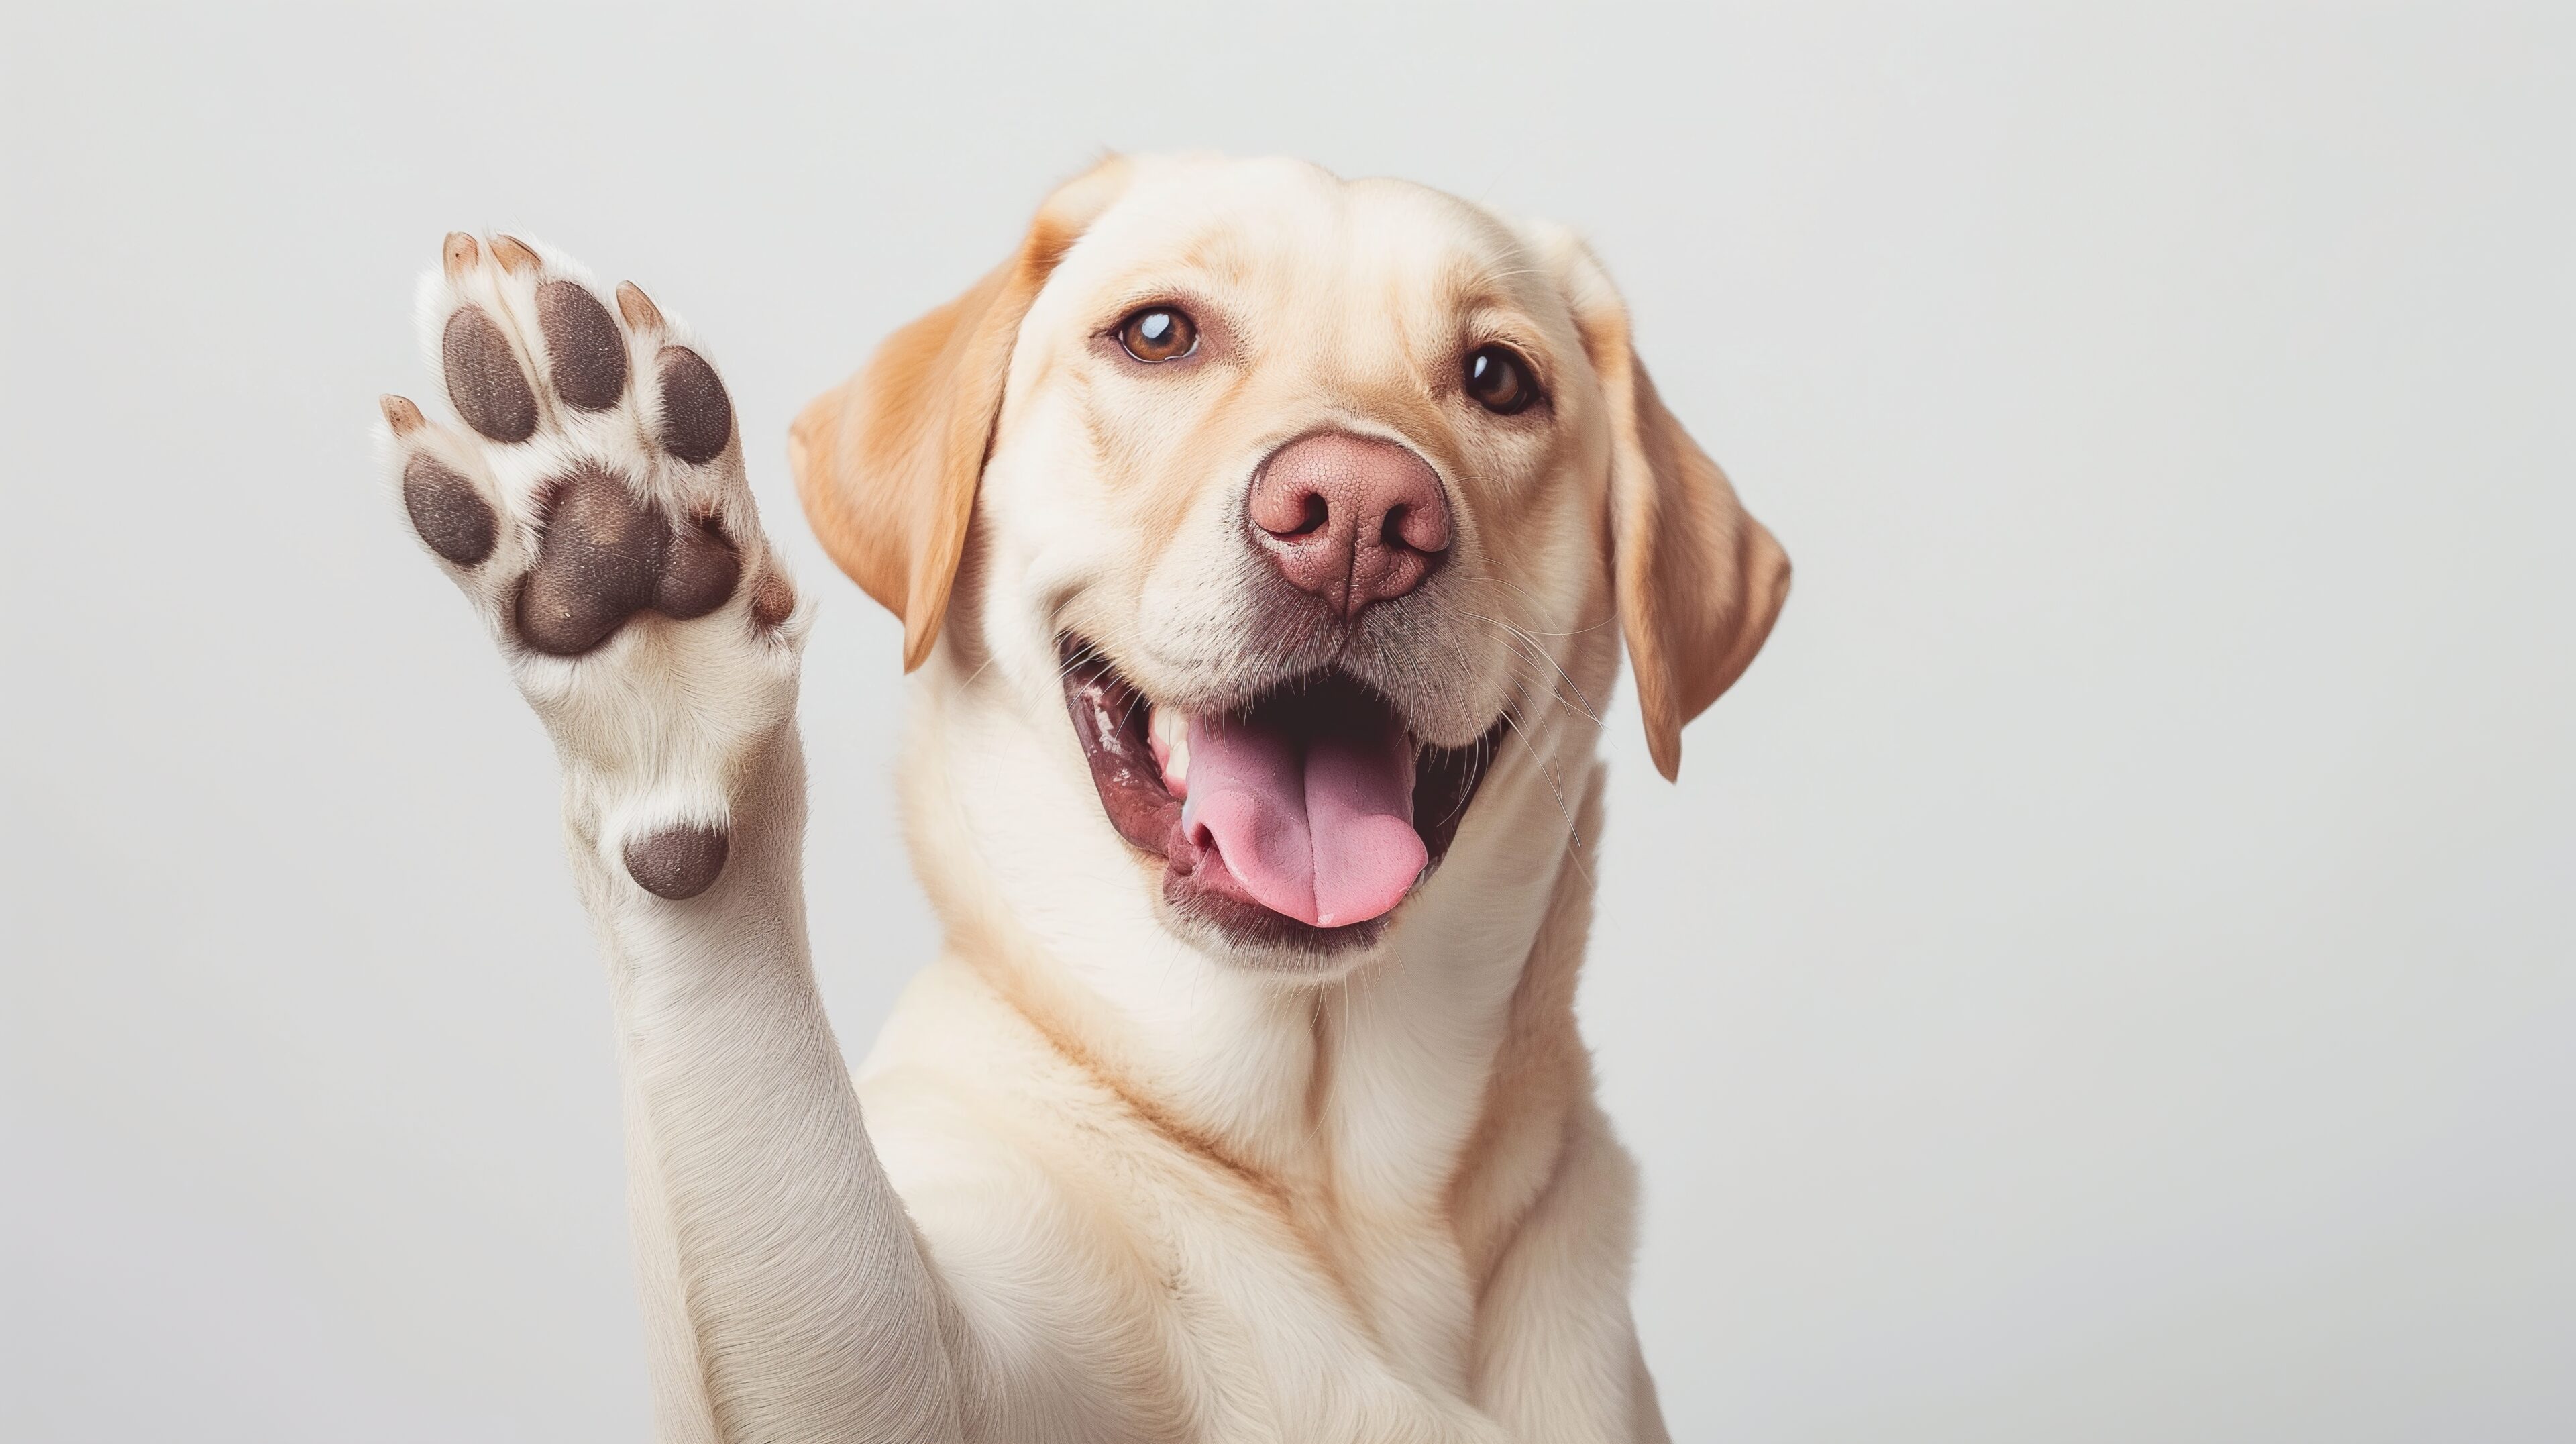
{"x":1285,"y":505}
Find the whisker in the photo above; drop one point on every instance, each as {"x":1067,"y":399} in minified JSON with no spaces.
{"x":1081,"y":655}
{"x":1523,"y":642}
{"x":1532,"y":644}
{"x":1480,"y":759}
{"x":1524,"y":592}
{"x":1573,"y":834}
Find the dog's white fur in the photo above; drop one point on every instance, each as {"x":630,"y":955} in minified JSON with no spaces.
{"x":1105,"y":1177}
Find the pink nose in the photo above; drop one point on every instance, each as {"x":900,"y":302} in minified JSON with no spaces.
{"x":1350,"y":519}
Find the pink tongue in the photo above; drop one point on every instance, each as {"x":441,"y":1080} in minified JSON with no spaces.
{"x":1319,"y":828}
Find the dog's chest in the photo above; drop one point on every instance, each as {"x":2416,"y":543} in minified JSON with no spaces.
{"x":1322,"y":1325}
{"x":1161,"y":1286}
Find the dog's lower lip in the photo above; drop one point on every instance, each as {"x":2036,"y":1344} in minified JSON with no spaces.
{"x":1112,"y":720}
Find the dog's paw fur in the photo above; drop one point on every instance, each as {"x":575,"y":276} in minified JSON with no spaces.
{"x":591,"y":505}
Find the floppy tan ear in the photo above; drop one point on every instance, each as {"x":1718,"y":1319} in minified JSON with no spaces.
{"x":887,"y":462}
{"x":1699,"y":582}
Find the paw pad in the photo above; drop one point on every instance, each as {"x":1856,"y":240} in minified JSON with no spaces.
{"x":602,"y":557}
{"x":697,"y":416}
{"x":483,"y":377}
{"x":589,"y":355}
{"x":448,"y":512}
{"x":678,"y":862}
{"x":772,"y":599}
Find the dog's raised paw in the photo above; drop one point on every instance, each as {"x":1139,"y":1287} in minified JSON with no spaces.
{"x":589,"y":498}
{"x":597,"y":471}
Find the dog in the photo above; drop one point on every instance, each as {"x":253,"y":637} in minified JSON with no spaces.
{"x":1264,"y":545}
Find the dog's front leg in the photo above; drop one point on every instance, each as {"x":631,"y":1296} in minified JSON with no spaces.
{"x":788,"y":1296}
{"x":592,"y":506}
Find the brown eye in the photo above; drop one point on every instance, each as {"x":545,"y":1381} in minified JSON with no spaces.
{"x":1500,"y":380}
{"x":1159,"y":333}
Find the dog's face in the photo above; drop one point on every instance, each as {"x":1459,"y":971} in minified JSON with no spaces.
{"x":1294,"y":499}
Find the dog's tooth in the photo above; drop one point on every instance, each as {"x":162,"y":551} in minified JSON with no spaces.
{"x":1168,"y":730}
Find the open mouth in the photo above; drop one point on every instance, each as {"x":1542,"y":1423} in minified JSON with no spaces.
{"x":1302,"y":818}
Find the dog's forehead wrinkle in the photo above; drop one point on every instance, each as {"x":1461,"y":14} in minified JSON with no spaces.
{"x":1232,"y":219}
{"x":1219,"y":255}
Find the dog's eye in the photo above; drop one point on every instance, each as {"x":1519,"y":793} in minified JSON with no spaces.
{"x":1159,"y":333}
{"x":1500,"y":380}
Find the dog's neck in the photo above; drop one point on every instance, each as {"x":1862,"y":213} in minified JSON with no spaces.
{"x":1380,"y":1092}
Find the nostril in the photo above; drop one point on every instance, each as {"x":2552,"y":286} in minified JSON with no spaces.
{"x":1291,"y":512}
{"x":1314,"y":514}
{"x":1418,"y":526}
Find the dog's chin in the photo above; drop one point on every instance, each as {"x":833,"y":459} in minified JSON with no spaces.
{"x":1296,"y":856}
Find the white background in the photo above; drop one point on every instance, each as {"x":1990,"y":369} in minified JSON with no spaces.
{"x":2109,"y":972}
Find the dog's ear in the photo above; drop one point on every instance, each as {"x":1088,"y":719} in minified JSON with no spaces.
{"x":887,"y":462}
{"x":1698,"y":581}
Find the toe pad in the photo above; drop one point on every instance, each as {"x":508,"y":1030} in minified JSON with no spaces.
{"x":448,"y":513}
{"x":484,"y":379}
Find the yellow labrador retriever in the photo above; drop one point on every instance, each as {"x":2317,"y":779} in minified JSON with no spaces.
{"x":1264,"y":545}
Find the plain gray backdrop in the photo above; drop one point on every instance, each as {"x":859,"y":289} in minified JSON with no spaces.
{"x":2108,"y":973}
